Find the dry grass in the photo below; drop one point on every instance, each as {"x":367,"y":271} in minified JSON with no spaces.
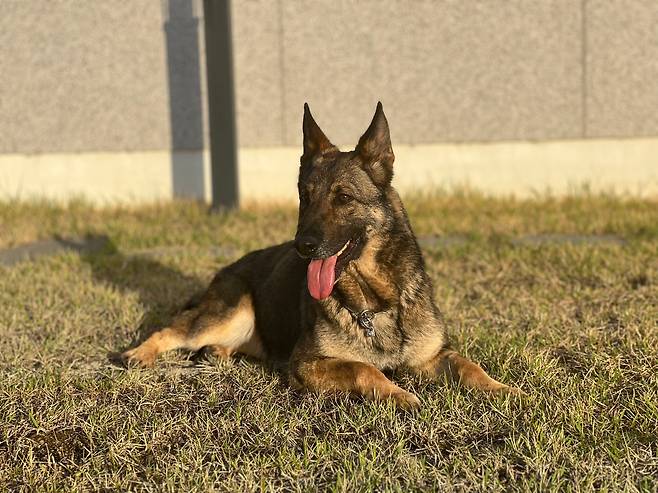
{"x":575,"y":325}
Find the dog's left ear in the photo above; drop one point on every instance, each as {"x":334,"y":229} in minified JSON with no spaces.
{"x":315,"y":141}
{"x":375,"y":149}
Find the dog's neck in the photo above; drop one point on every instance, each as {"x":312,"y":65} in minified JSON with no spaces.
{"x":376,"y":280}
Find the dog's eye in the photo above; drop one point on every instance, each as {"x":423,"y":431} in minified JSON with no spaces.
{"x":343,"y":198}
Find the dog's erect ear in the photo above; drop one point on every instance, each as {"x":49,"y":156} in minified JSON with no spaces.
{"x":375,"y":149}
{"x":315,"y":141}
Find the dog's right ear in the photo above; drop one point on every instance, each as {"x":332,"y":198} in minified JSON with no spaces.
{"x":375,"y":148}
{"x":315,"y":141}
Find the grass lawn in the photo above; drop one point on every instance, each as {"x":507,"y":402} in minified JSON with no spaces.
{"x":573,"y":323}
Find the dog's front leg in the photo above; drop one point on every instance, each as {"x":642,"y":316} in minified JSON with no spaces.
{"x":450,"y":364}
{"x":336,"y":375}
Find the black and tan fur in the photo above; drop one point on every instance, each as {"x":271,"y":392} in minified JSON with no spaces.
{"x":261,"y":306}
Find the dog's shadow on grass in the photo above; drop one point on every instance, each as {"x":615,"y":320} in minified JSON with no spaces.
{"x":162,"y":290}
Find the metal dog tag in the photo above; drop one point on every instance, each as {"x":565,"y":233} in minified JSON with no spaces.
{"x":365,"y":320}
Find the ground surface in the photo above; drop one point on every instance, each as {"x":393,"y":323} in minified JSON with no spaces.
{"x":570,"y":319}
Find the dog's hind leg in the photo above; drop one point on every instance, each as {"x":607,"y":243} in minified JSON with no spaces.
{"x":453,"y":366}
{"x":223,"y":320}
{"x":172,"y":337}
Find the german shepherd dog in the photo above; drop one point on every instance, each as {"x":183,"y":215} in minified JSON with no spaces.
{"x":348,"y":298}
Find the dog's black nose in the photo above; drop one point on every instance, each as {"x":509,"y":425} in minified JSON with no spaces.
{"x":307,"y":246}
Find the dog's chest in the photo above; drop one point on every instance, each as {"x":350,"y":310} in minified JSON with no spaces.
{"x":364,"y":323}
{"x":380,"y":344}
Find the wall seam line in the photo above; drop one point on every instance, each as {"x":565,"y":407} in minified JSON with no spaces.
{"x":282,"y":75}
{"x":584,"y":70}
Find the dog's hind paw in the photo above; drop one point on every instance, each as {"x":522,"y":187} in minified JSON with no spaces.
{"x":138,"y":357}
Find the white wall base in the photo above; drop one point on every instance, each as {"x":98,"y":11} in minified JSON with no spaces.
{"x":270,"y":174}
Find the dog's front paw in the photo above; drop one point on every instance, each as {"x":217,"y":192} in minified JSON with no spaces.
{"x":139,"y":357}
{"x":508,"y":390}
{"x":406,"y":400}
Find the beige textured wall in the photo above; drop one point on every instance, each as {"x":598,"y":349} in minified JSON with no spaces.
{"x":93,"y":75}
{"x":622,"y":68}
{"x":128,"y":75}
{"x":78,"y":76}
{"x":445,"y":71}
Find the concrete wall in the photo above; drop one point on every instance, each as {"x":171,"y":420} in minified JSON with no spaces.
{"x":128,"y":76}
{"x":621,"y":83}
{"x":82,"y":76}
{"x":93,"y":75}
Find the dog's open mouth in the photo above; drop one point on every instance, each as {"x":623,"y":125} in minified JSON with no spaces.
{"x":323,"y":273}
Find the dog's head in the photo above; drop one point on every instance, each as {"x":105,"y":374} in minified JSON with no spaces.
{"x":343,"y":199}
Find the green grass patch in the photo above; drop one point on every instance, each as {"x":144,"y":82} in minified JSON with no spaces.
{"x":575,"y":325}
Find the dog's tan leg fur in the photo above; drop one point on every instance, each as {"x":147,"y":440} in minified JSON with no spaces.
{"x":226,"y":331}
{"x":336,"y":375}
{"x":163,"y":340}
{"x":451,"y":364}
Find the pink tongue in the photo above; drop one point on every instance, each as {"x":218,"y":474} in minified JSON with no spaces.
{"x":320,"y":277}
